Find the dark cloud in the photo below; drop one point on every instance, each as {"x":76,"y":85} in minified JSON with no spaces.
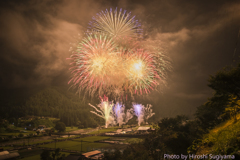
{"x":199,"y":37}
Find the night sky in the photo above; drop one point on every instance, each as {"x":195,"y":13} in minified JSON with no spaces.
{"x":199,"y":36}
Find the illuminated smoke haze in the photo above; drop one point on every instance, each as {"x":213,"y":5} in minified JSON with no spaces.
{"x":199,"y":36}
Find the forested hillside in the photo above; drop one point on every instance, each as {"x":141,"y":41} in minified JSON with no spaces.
{"x":59,"y":103}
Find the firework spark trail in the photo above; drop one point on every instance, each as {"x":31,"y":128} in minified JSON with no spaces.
{"x":148,"y":112}
{"x":116,"y":24}
{"x":128,"y":115}
{"x":120,"y":116}
{"x":119,"y":113}
{"x":139,"y":112}
{"x":142,"y":112}
{"x":104,"y":111}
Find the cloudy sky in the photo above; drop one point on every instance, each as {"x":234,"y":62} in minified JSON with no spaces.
{"x":199,"y":36}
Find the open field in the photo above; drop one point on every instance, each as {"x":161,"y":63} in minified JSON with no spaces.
{"x":76,"y":145}
{"x":133,"y":140}
{"x":36,"y":142}
{"x":92,"y":138}
{"x":70,"y":129}
{"x":25,"y":132}
{"x":104,"y":130}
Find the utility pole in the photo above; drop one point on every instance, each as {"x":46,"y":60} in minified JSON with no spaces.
{"x":158,"y":150}
{"x":55,"y":142}
{"x":81,"y":146}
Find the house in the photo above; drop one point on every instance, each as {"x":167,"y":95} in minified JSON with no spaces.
{"x":93,"y":154}
{"x":119,"y":131}
{"x":143,"y":129}
{"x":128,"y":130}
{"x":41,"y":127}
{"x":9,"y":155}
{"x":110,"y":134}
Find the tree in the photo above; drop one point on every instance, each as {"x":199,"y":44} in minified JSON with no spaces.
{"x":60,"y":126}
{"x":46,"y":155}
{"x":56,"y":155}
{"x":226,"y":81}
{"x":233,"y":107}
{"x":211,"y":113}
{"x":173,"y":136}
{"x":20,"y":135}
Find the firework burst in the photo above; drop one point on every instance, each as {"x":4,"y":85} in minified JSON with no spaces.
{"x":142,"y":112}
{"x":139,"y":112}
{"x":111,"y":60}
{"x":105,"y":111}
{"x":141,"y":71}
{"x":117,"y":24}
{"x":95,"y":64}
{"x":119,"y":113}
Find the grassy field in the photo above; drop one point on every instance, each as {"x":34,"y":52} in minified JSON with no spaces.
{"x":70,"y":129}
{"x":133,"y":140}
{"x":104,"y":130}
{"x":76,"y":145}
{"x":7,"y":148}
{"x":22,"y":130}
{"x":35,"y":142}
{"x":92,"y":138}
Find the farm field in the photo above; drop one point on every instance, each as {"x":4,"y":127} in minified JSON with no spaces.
{"x":104,"y":130}
{"x":79,"y":144}
{"x":76,"y":145}
{"x":92,"y":138}
{"x":70,"y":129}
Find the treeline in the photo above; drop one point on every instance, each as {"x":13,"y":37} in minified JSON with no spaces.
{"x":58,"y":103}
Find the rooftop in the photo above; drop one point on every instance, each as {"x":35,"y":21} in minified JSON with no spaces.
{"x":92,"y":153}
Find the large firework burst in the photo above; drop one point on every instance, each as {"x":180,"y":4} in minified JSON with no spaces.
{"x":95,"y":64}
{"x":117,"y":24}
{"x":110,"y":60}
